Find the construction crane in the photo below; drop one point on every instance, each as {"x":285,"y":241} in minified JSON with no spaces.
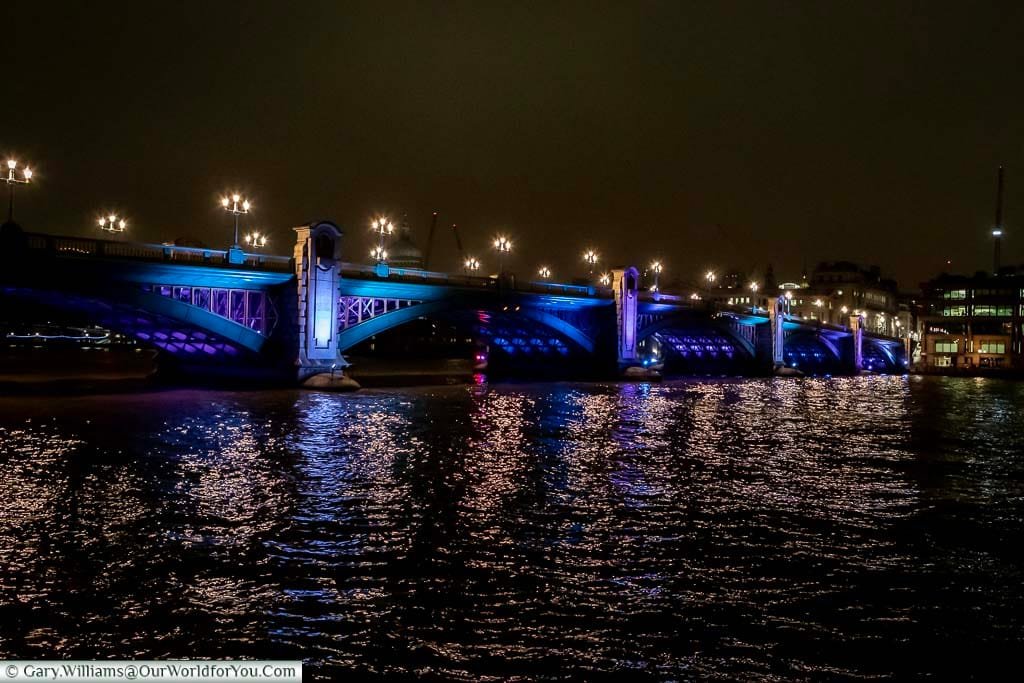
{"x":458,"y":242}
{"x":430,"y":242}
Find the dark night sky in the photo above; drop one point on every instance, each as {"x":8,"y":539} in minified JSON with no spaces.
{"x":712,"y":134}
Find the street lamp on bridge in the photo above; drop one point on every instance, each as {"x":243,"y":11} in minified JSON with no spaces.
{"x":590,"y":256}
{"x":471,"y":265}
{"x":379,"y":254}
{"x":503,"y":245}
{"x":753,"y":294}
{"x":12,"y":179}
{"x":605,"y":279}
{"x":256,"y":240}
{"x":656,"y":269}
{"x":544,"y":273}
{"x":112,"y":223}
{"x":236,"y":206}
{"x":382,"y":226}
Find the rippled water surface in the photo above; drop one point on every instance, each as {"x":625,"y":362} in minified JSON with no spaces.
{"x":750,"y":529}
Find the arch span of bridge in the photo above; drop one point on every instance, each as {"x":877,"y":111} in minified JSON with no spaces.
{"x":194,"y":302}
{"x":186,"y":302}
{"x":370,"y":307}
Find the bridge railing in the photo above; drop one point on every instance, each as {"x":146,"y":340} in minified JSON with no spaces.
{"x":143,"y":251}
{"x":363,"y":271}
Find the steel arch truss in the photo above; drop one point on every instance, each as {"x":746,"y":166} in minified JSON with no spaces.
{"x":723,"y":336}
{"x":250,"y":308}
{"x":356,"y":310}
{"x":153,"y":320}
{"x":523,"y":334}
{"x":512,"y":327}
{"x":883,"y":356}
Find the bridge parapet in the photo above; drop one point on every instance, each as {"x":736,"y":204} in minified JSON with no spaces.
{"x":143,"y":251}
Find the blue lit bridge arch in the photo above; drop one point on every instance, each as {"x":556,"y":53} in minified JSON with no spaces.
{"x":536,"y":319}
{"x":187,"y":302}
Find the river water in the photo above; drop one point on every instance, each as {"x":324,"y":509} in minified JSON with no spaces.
{"x":714,"y":530}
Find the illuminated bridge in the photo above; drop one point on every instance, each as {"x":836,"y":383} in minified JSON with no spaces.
{"x":210,"y":311}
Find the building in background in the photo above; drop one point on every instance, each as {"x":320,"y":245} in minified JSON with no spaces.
{"x":833,"y":292}
{"x":972,"y":322}
{"x":403,"y":252}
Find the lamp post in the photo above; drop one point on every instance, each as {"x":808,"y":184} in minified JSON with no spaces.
{"x":656,"y":269}
{"x":12,"y":179}
{"x":236,"y":206}
{"x":789,"y":302}
{"x":753,"y":295}
{"x":256,"y":240}
{"x":379,"y":254}
{"x":503,"y":245}
{"x":590,"y":256}
{"x":112,"y":223}
{"x":471,"y":265}
{"x":544,"y":273}
{"x":605,"y":279}
{"x":382,"y":226}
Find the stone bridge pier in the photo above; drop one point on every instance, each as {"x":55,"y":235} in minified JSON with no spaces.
{"x":317,"y":278}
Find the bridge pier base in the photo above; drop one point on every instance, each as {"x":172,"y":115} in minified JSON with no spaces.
{"x":317,"y":274}
{"x":626,"y":285}
{"x":857,"y":357}
{"x":776,"y":326}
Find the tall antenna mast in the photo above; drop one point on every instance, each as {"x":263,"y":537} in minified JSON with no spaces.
{"x":997,"y":230}
{"x":430,"y":242}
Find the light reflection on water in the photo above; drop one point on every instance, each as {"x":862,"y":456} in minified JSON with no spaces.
{"x":714,"y":530}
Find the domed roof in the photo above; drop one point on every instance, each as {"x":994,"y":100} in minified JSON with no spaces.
{"x":403,"y":252}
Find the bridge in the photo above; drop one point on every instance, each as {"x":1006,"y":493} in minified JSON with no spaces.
{"x":212,"y":312}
